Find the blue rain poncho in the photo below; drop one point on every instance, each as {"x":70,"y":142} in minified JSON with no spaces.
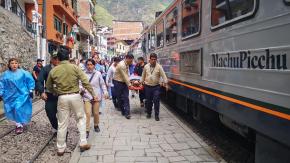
{"x":14,"y":90}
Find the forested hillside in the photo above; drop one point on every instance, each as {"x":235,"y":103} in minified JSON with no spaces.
{"x":143,"y":10}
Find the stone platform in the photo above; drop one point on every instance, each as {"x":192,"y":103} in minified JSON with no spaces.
{"x":143,"y":140}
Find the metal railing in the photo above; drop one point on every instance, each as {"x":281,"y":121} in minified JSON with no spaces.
{"x":14,"y":7}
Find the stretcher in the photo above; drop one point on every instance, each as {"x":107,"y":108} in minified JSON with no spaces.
{"x":135,"y":81}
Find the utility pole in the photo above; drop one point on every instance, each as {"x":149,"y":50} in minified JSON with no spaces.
{"x":88,"y":47}
{"x":35,"y":20}
{"x":43,"y":40}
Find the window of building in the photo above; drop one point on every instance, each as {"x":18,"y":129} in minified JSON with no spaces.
{"x":160,"y":34}
{"x":57,"y":24}
{"x":152,"y":39}
{"x":224,"y":11}
{"x":171,"y":26}
{"x":65,"y":29}
{"x":190,"y":17}
{"x":190,"y":62}
{"x":74,"y":4}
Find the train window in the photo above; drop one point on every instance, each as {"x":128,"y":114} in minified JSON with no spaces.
{"x":287,"y":2}
{"x":171,"y":27}
{"x":228,"y":11}
{"x":160,"y":34}
{"x":190,"y":62}
{"x":190,"y":17}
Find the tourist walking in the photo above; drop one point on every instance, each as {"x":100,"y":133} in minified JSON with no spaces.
{"x":16,"y":91}
{"x":151,"y":76}
{"x":49,"y":98}
{"x":36,"y":70}
{"x":64,"y":81}
{"x":99,"y":87}
{"x":138,"y":71}
{"x":109,"y":80}
{"x":122,"y":85}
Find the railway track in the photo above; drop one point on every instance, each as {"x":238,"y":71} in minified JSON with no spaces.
{"x":37,"y":143}
{"x":31,"y":143}
{"x":12,"y":129}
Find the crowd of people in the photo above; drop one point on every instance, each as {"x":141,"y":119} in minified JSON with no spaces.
{"x":67,"y":86}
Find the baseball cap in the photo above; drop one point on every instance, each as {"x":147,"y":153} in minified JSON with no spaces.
{"x":39,"y":60}
{"x":53,"y":54}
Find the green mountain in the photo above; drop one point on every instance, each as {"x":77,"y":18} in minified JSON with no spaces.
{"x":141,"y":10}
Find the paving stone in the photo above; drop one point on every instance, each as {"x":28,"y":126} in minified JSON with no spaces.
{"x":176,"y":158}
{"x":88,"y":159}
{"x":124,"y":159}
{"x":200,"y":151}
{"x":185,"y":152}
{"x":131,"y":153}
{"x":122,"y":148}
{"x":193,"y":144}
{"x":206,"y":157}
{"x":154,"y":154}
{"x":166,"y":147}
{"x":180,"y":146}
{"x":170,"y":154}
{"x":109,"y":158}
{"x":193,"y":158}
{"x":152,"y":150}
{"x":142,"y":147}
{"x":171,"y":140}
{"x":139,"y":143}
{"x":145,"y":159}
{"x":162,"y":160}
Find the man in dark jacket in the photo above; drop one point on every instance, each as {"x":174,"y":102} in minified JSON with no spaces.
{"x":49,"y":98}
{"x":138,"y":71}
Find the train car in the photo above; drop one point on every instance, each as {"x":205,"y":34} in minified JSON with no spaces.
{"x":229,"y":60}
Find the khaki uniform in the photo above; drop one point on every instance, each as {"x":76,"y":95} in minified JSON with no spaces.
{"x":151,"y":76}
{"x":121,"y":82}
{"x":63,"y":80}
{"x":122,"y":73}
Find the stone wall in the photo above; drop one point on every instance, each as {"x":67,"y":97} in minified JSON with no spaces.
{"x":15,"y":42}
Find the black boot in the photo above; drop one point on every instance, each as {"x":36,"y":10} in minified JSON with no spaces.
{"x":97,"y":129}
{"x":157,"y":118}
{"x":88,"y":134}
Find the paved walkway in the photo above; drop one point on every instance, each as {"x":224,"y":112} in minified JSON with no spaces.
{"x":143,"y":140}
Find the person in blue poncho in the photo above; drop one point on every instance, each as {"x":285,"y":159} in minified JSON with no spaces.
{"x":16,"y":90}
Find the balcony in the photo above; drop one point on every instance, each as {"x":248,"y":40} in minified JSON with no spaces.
{"x":64,"y":7}
{"x":28,"y":1}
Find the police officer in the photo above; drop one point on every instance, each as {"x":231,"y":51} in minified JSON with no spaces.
{"x":122,"y":85}
{"x":64,"y":81}
{"x":151,"y":76}
{"x":49,"y":98}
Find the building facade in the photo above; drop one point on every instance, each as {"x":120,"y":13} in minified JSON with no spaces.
{"x":87,"y":26}
{"x":121,"y":47}
{"x":61,"y":16}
